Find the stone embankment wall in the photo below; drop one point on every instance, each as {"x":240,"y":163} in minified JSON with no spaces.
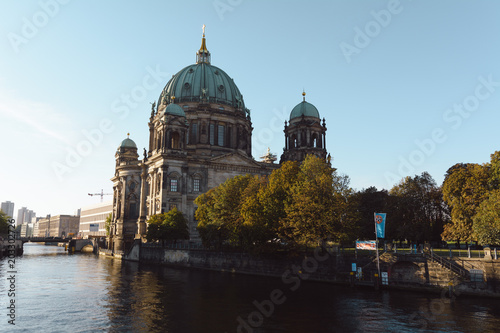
{"x":327,"y":265}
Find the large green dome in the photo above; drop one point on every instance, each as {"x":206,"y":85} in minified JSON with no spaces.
{"x":202,"y":81}
{"x":304,"y":109}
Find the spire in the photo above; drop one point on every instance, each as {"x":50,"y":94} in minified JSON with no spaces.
{"x":203,"y":56}
{"x":303,"y":95}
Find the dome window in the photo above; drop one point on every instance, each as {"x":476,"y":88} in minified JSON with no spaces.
{"x":187,"y":86}
{"x":190,"y":71}
{"x":216,"y":72}
{"x":221,"y":88}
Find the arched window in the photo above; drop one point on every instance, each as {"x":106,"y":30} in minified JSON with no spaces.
{"x":196,"y":183}
{"x":174,"y":182}
{"x":220,"y":135}
{"x":174,"y":185}
{"x":175,"y":141}
{"x":315,"y":142}
{"x":194,"y":133}
{"x":293,"y":144}
{"x":131,"y":212}
{"x":212,"y":134}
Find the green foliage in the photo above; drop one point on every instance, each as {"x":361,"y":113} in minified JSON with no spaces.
{"x":218,"y":213}
{"x":416,"y":209}
{"x":107,"y":224}
{"x":370,"y":201}
{"x":464,"y":188}
{"x":296,"y":205}
{"x":4,"y":224}
{"x":310,"y":212}
{"x":495,"y":171}
{"x":487,"y":220}
{"x":169,"y":226}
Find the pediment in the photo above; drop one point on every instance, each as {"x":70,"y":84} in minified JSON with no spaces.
{"x":235,"y":159}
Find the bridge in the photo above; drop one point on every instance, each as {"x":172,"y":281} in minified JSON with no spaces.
{"x":74,"y":245}
{"x":44,"y":240}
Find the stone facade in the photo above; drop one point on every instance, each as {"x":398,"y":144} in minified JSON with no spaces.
{"x":58,"y":226}
{"x":200,"y":135}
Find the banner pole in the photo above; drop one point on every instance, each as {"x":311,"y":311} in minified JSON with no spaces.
{"x":376,"y":243}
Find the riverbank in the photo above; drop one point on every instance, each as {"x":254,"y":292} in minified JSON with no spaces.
{"x":399,"y":271}
{"x":11,"y":248}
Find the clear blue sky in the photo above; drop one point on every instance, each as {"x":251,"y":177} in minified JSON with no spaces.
{"x":405,"y":86}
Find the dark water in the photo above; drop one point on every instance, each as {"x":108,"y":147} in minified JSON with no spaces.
{"x":57,"y":292}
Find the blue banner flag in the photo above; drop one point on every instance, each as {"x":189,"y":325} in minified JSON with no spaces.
{"x":380,"y":224}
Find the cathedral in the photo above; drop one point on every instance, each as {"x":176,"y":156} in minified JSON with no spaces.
{"x":200,"y":134}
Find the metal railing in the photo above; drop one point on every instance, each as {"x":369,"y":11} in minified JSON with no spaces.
{"x":449,"y":264}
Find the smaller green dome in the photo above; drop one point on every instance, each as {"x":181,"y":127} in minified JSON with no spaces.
{"x":175,"y":109}
{"x":128,"y":143}
{"x":304,"y":109}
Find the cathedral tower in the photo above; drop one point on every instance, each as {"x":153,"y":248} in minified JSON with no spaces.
{"x":304,"y":133}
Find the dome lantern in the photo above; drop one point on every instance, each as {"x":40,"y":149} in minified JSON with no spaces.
{"x":203,"y":56}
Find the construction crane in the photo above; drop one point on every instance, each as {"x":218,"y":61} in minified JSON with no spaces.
{"x":102,"y":194}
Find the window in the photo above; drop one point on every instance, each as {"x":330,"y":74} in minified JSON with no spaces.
{"x":196,"y":185}
{"x":220,"y":136}
{"x":212,"y":134}
{"x":133,"y":210}
{"x":194,"y":133}
{"x":175,"y":141}
{"x":173,"y":185}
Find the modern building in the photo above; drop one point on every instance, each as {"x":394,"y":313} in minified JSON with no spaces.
{"x":200,"y":134}
{"x":24,"y":215}
{"x":93,"y":218}
{"x":26,"y":230}
{"x":8,"y":208}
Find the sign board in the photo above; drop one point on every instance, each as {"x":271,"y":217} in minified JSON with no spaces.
{"x":366,"y":245}
{"x":354,"y":267}
{"x":359,"y":273}
{"x":385,"y":278}
{"x":94,"y":227}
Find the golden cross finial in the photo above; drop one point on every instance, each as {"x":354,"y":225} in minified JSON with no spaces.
{"x":204,"y":30}
{"x":128,"y":134}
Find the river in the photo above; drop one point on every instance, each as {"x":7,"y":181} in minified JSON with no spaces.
{"x":59,"y":292}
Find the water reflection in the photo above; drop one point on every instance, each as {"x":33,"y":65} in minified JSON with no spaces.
{"x":84,"y":293}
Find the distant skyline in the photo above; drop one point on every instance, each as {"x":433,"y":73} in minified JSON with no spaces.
{"x":405,"y":86}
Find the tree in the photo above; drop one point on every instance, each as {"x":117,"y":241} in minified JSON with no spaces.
{"x":495,"y":170}
{"x":296,"y":205}
{"x":416,"y":209}
{"x":464,"y":188}
{"x":169,"y":226}
{"x":273,"y":197}
{"x":4,"y":223}
{"x":369,"y":201}
{"x":107,"y":224}
{"x":486,"y":224}
{"x":318,"y":206}
{"x":218,"y":213}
